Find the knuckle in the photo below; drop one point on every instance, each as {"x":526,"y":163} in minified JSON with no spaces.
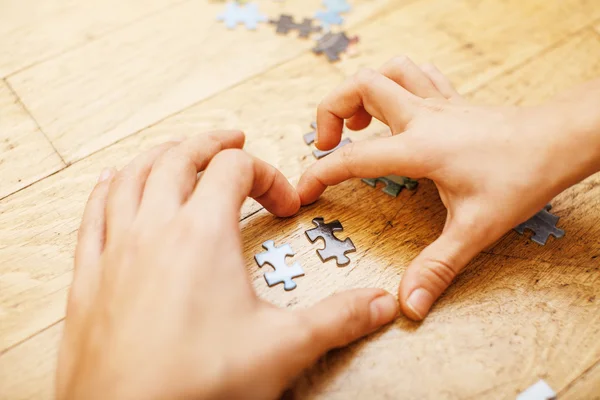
{"x":122,"y":178}
{"x":428,"y":67}
{"x":234,"y":158}
{"x":438,"y":273}
{"x":364,"y":78}
{"x":175,"y":158}
{"x":305,"y":331}
{"x":347,"y":158}
{"x":434,"y":105}
{"x":401,"y":61}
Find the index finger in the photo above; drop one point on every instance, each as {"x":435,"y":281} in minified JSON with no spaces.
{"x":231,"y":177}
{"x":370,"y":90}
{"x":400,"y":155}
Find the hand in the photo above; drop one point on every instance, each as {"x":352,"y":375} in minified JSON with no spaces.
{"x":161,"y":306}
{"x":494,"y":167}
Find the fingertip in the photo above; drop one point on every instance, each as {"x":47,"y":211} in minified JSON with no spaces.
{"x":309,"y":188}
{"x":416,"y":305}
{"x":241,"y":137}
{"x":384,"y":309}
{"x":289,"y":205}
{"x":329,"y":128}
{"x":106,"y":174}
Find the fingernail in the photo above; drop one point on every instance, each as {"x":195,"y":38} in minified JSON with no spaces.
{"x":105,"y":174}
{"x":383,"y":309}
{"x":420,"y":301}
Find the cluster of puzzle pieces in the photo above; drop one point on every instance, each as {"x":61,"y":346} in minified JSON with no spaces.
{"x":331,"y":44}
{"x":275,"y":256}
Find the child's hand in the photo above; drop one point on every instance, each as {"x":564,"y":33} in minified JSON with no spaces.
{"x":161,"y":306}
{"x":494,"y":167}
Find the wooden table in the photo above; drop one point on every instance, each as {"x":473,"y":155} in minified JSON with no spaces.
{"x":89,"y":84}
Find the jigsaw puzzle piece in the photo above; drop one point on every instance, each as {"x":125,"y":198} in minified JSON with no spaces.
{"x":275,"y":257}
{"x":539,"y":391}
{"x":334,"y":247}
{"x":247,"y":14}
{"x":338,"y":253}
{"x":286,"y":23}
{"x":332,"y":45}
{"x":309,"y":138}
{"x":393,"y":184}
{"x":320,"y":153}
{"x":275,"y":277}
{"x":306,"y":28}
{"x":329,"y":18}
{"x":337,"y":6}
{"x":543,"y":225}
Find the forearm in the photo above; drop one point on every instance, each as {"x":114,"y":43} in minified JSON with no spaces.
{"x":575,"y":141}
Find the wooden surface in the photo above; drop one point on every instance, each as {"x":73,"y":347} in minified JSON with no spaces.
{"x":89,"y":84}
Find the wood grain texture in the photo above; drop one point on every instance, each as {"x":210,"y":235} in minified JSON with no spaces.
{"x":38,"y":238}
{"x":29,"y":372}
{"x":472,"y":41}
{"x":587,"y":386}
{"x":88,"y":98}
{"x":25,"y":154}
{"x":35,"y":30}
{"x":556,"y":70}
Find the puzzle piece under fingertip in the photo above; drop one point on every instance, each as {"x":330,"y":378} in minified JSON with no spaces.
{"x":543,"y":225}
{"x":322,"y":153}
{"x":309,"y":138}
{"x":393,"y":184}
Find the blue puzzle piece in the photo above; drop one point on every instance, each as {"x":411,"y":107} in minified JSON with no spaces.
{"x":329,"y":18}
{"x":337,"y":6}
{"x":238,"y":14}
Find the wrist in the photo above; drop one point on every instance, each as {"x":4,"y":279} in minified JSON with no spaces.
{"x":571,"y":127}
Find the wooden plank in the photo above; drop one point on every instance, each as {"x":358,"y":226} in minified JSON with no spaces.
{"x":97,"y":94}
{"x":25,"y":154}
{"x":38,"y":225}
{"x":34,"y":380}
{"x":504,"y":323}
{"x":29,"y":371}
{"x":35,"y":30}
{"x":587,"y":386}
{"x":472,"y":41}
{"x":559,"y":69}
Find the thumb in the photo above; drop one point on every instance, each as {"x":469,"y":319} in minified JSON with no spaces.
{"x":432,"y":271}
{"x":345,"y":317}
